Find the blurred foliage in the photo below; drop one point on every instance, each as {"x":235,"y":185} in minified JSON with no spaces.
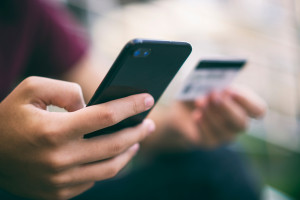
{"x":277,"y":167}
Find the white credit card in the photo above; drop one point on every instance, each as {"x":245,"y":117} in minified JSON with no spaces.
{"x":209,"y":75}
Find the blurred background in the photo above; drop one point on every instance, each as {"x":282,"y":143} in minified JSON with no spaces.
{"x":265,"y":32}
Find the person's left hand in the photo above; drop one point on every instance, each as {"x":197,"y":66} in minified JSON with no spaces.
{"x":216,"y":118}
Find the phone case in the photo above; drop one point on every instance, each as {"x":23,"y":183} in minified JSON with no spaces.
{"x":143,"y":66}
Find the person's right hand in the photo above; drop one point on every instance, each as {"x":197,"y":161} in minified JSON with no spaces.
{"x":43,"y":154}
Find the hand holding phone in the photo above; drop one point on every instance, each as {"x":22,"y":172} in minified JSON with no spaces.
{"x":143,"y":66}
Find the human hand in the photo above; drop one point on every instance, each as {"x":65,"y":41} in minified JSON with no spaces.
{"x":43,"y":154}
{"x":217,"y":118}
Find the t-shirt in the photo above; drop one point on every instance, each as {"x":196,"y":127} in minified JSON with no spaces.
{"x":38,"y":38}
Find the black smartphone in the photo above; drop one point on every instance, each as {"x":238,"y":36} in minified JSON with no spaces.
{"x":143,"y":66}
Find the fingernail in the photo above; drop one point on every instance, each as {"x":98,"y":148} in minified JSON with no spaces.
{"x":135,"y":147}
{"x":150,"y":124}
{"x":149,"y":101}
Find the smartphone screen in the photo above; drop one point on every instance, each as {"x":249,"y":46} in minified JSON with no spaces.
{"x":143,"y":66}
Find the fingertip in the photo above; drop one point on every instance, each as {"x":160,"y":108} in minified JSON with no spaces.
{"x":255,"y":105}
{"x":262,"y":108}
{"x":201,"y":102}
{"x":149,"y":101}
{"x":135,"y":147}
{"x":150,"y":125}
{"x":216,"y":98}
{"x":260,"y":113}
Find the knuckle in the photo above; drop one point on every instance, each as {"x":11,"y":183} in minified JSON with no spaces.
{"x":30,"y":83}
{"x":50,"y":135}
{"x":135,"y":106}
{"x":76,"y":87}
{"x":108,"y":115}
{"x":58,"y":181}
{"x":116,"y":148}
{"x":112,"y":171}
{"x":76,"y":90}
{"x":56,"y":161}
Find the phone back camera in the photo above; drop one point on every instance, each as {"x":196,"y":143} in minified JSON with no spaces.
{"x":140,"y":53}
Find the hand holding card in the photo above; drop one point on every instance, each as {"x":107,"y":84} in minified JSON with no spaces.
{"x":209,"y":75}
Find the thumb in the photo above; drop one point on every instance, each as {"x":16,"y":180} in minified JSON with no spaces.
{"x":44,"y":91}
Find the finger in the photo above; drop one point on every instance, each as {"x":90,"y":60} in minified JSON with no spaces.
{"x":236,"y":118}
{"x":254,"y":105}
{"x":69,"y":192}
{"x":97,"y":117}
{"x":218,"y":125}
{"x":110,"y":145}
{"x":207,"y":135}
{"x":44,"y":91}
{"x":101,"y":170}
{"x":201,"y":102}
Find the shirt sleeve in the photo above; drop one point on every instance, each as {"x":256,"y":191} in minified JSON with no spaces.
{"x":59,"y":42}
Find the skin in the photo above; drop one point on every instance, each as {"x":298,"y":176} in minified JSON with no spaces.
{"x":47,"y":149}
{"x":208,"y":122}
{"x":216,"y":119}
